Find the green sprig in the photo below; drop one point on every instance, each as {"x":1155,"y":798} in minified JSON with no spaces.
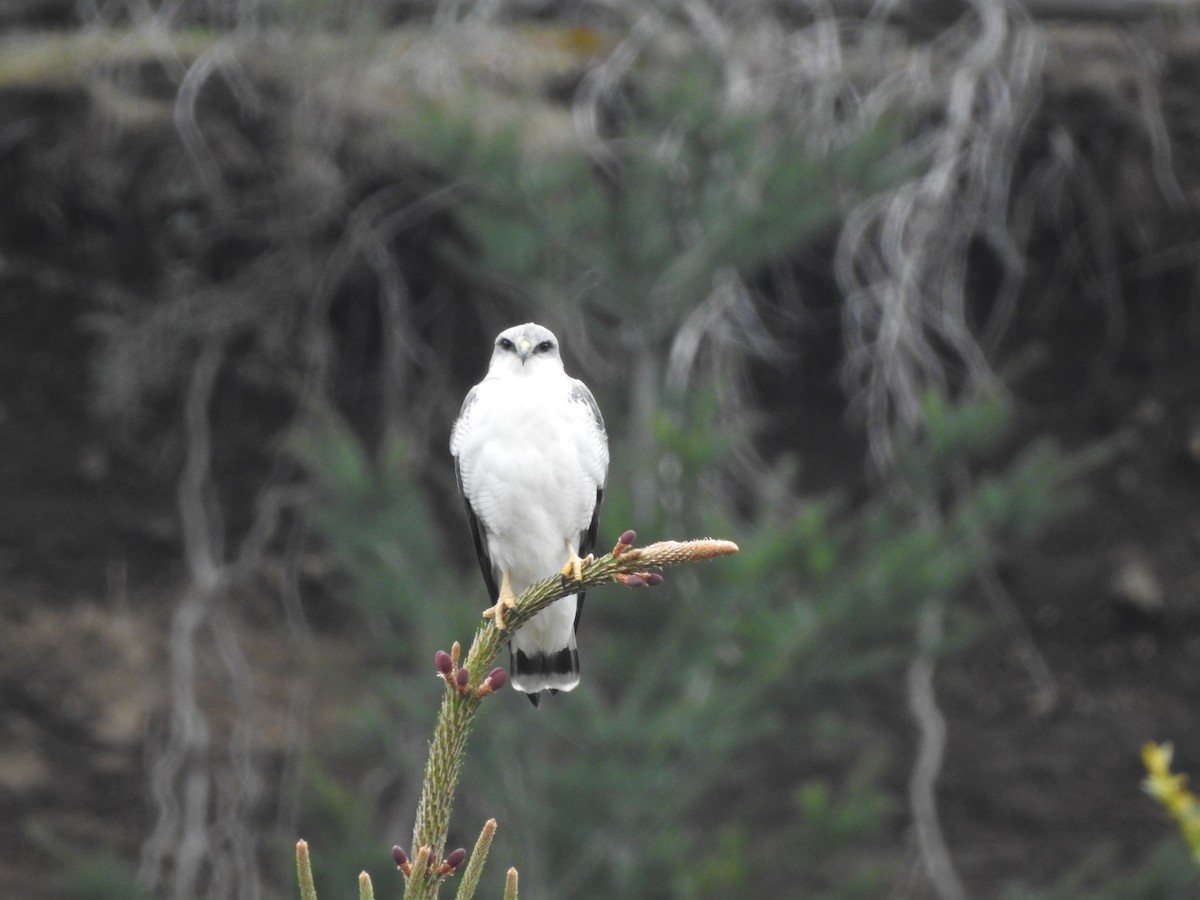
{"x":474,"y":869}
{"x":448,"y":747}
{"x":626,"y":564}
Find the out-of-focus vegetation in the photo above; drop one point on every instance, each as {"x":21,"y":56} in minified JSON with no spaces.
{"x":1170,"y":790}
{"x":655,"y":780}
{"x":618,"y":798}
{"x":288,"y":233}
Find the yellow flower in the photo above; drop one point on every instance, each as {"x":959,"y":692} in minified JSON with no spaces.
{"x":1171,"y":791}
{"x":1157,"y":758}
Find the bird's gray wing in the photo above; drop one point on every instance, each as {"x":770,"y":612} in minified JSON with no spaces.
{"x":478,"y":535}
{"x":587,"y":539}
{"x":581,"y":394}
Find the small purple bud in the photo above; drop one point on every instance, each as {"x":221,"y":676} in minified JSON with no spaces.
{"x":456,"y":858}
{"x":634,"y":581}
{"x":463,"y":677}
{"x":441,"y":659}
{"x":399,"y":856}
{"x":654,"y":579}
{"x":497,"y":678}
{"x":627,"y":538}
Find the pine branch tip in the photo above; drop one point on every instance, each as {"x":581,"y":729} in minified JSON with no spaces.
{"x":304,"y":876}
{"x":510,"y":884}
{"x":668,"y":553}
{"x":420,"y":865}
{"x":473,"y":871}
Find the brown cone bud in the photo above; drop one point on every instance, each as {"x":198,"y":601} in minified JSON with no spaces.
{"x":399,"y":856}
{"x":441,"y":659}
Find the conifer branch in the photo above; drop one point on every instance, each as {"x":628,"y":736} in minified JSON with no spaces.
{"x":467,"y":684}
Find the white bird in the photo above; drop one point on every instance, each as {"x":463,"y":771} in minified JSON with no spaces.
{"x":531,"y":456}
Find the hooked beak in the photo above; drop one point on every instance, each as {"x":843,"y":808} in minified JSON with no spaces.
{"x":523,"y":348}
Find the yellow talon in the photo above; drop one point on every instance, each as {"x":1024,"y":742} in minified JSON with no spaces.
{"x":574,"y":567}
{"x":506,"y":600}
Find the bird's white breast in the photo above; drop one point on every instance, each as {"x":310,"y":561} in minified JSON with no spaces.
{"x":531,"y":461}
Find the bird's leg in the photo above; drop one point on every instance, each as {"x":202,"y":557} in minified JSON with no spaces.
{"x":506,"y":600}
{"x":574,"y":567}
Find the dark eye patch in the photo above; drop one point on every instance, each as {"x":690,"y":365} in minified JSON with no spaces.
{"x":504,"y":344}
{"x":545,"y":347}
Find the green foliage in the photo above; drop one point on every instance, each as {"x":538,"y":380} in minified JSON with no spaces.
{"x":340,"y":826}
{"x":694,"y":682}
{"x":86,"y":872}
{"x":376,"y":523}
{"x":827,"y":821}
{"x":1168,"y":874}
{"x":691,"y":693}
{"x":690,"y":185}
{"x":102,"y":877}
{"x":725,"y":870}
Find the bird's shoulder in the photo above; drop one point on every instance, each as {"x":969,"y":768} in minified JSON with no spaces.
{"x":463,"y":422}
{"x":582,"y":399}
{"x":554,"y":398}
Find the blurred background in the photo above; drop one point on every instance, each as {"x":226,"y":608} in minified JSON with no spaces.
{"x":902,"y":297}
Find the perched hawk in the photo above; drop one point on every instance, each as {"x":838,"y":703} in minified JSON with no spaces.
{"x":531,"y":457}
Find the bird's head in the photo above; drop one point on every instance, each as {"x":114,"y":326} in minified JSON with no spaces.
{"x":525,"y":348}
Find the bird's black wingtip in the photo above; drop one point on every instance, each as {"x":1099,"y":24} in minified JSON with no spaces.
{"x":535,"y":699}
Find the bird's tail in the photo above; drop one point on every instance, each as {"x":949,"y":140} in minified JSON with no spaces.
{"x":534,"y":671}
{"x":543,"y":653}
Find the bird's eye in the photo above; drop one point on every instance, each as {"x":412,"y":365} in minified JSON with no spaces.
{"x":545,"y":347}
{"x":504,"y":344}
